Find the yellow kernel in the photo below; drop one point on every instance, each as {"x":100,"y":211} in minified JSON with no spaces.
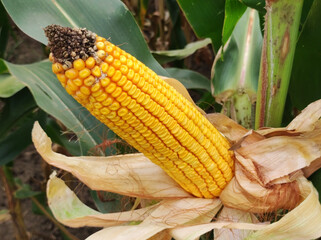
{"x":117,"y":64}
{"x":109,"y":59}
{"x":132,"y":104}
{"x":107,"y":102}
{"x":127,"y":86}
{"x":109,"y":48}
{"x":104,"y":111}
{"x":141,"y":98}
{"x":137,"y":93}
{"x":126,"y":101}
{"x":110,"y":71}
{"x":57,"y":68}
{"x":130,"y":63}
{"x":136,"y":78}
{"x":111,"y":115}
{"x":122,"y":81}
{"x":104,"y":82}
{"x":79,"y":64}
{"x":95,"y":87}
{"x":61,"y":77}
{"x":130,"y":74}
{"x":122,"y":111}
{"x":89,"y":81}
{"x":69,"y":91}
{"x":85,"y":90}
{"x":136,"y":67}
{"x":77,"y":82}
{"x":71,"y":73}
{"x":96,"y":71}
{"x":116,"y":54}
{"x":101,"y":97}
{"x":132,"y":90}
{"x":71,"y":85}
{"x":97,"y":105}
{"x":111,"y":87}
{"x":121,"y":97}
{"x":84,"y":73}
{"x":114,"y":106}
{"x":80,"y":95}
{"x":100,"y":45}
{"x":100,"y":39}
{"x":117,"y":92}
{"x":122,"y":59}
{"x":116,"y":77}
{"x":104,"y":67}
{"x":90,"y":62}
{"x":98,"y":93}
{"x":101,"y":54}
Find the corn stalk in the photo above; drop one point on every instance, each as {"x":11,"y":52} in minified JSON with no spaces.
{"x":282,"y":21}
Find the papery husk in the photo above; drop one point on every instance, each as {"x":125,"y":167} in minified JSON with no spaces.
{"x":131,"y":175}
{"x":302,"y":223}
{"x":234,"y":215}
{"x":169,"y":214}
{"x":69,"y":210}
{"x":246,"y":194}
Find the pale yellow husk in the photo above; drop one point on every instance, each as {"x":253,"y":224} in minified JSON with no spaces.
{"x":269,"y":175}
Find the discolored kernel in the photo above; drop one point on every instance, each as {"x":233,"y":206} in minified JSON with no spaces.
{"x":89,"y":81}
{"x":57,"y":68}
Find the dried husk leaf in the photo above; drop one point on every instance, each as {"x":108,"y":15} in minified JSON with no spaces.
{"x":234,"y":215}
{"x":69,"y":210}
{"x":302,"y":223}
{"x":132,"y":174}
{"x":307,"y":119}
{"x":246,"y":194}
{"x":279,"y":156}
{"x":169,"y":214}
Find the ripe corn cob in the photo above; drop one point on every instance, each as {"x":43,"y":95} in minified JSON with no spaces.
{"x":142,"y":109}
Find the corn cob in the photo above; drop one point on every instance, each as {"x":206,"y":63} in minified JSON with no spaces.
{"x":141,"y":108}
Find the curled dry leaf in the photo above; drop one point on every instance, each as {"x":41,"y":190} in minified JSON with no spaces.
{"x":115,"y":173}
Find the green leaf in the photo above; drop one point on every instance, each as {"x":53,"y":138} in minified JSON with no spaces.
{"x":109,"y":19}
{"x":12,"y":145}
{"x":172,"y":55}
{"x":190,"y":79}
{"x":305,"y":81}
{"x":16,"y":109}
{"x":240,"y":66}
{"x":24,"y":191}
{"x":53,"y":99}
{"x":206,"y":18}
{"x":256,"y":4}
{"x":9,"y":85}
{"x":107,"y":202}
{"x":233,"y":12}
